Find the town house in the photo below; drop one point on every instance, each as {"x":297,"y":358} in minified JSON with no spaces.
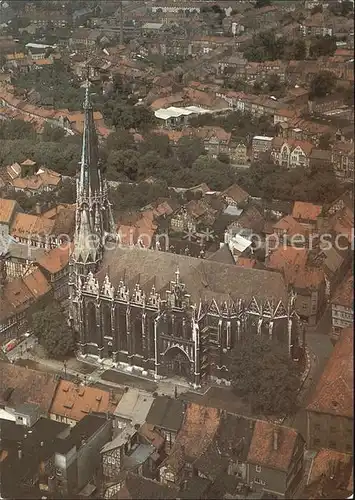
{"x":8,"y":210}
{"x":55,"y":266}
{"x":330,"y":413}
{"x":307,"y":280}
{"x":343,"y":306}
{"x":19,"y":385}
{"x":237,"y":454}
{"x":291,"y":153}
{"x":135,"y":450}
{"x":166,"y":416}
{"x":342,"y":155}
{"x":72,"y":402}
{"x":19,"y":298}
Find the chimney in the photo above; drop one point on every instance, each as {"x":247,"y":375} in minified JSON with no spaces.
{"x":38,"y":208}
{"x":275,"y":439}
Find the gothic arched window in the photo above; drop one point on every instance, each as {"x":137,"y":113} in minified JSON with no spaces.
{"x":106,"y":319}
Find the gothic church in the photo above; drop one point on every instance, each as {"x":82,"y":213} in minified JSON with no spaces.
{"x":165,"y":314}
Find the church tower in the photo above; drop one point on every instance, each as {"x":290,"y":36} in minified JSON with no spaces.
{"x":94,"y":219}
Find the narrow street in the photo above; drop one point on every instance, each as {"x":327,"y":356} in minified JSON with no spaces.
{"x":320,"y":347}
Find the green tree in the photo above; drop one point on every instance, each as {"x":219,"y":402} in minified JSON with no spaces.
{"x":325,"y":141}
{"x":266,"y":46}
{"x":122,"y":164}
{"x":264,"y":376}
{"x":259,"y":4}
{"x":52,"y":134}
{"x":120,"y":139}
{"x":53,"y":333}
{"x":298,"y":50}
{"x":189,"y":149}
{"x":322,"y":84}
{"x":318,"y":9}
{"x":17,"y":129}
{"x":67,"y":192}
{"x":157,"y":143}
{"x":322,"y":46}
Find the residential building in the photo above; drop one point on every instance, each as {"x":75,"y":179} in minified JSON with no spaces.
{"x":235,"y":195}
{"x":306,"y":213}
{"x":134,"y":486}
{"x":19,"y":299}
{"x":229,"y":454}
{"x":19,"y":385}
{"x":275,"y":459}
{"x":131,"y":451}
{"x":330,"y":476}
{"x":343,"y":306}
{"x":289,"y":231}
{"x":195,"y":215}
{"x":133,"y":407}
{"x":55,"y":266}
{"x":261,"y":144}
{"x":316,"y":26}
{"x":33,"y":230}
{"x":291,"y":153}
{"x":77,"y":456}
{"x":27,"y":468}
{"x":166,"y":415}
{"x":330,"y":413}
{"x":84,"y":38}
{"x":342,"y":156}
{"x":8,"y":210}
{"x":239,"y":154}
{"x":20,"y":259}
{"x":307,"y":280}
{"x":71,"y":402}
{"x":320,"y":158}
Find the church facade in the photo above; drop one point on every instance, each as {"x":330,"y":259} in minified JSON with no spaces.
{"x":164,"y":314}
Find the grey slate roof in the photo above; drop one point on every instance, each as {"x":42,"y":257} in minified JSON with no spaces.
{"x":204,"y":279}
{"x":223,"y":255}
{"x":166,"y":413}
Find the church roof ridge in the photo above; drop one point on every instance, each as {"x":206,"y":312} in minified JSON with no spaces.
{"x":203,"y":279}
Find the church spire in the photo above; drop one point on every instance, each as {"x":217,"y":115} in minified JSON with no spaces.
{"x":89,"y":164}
{"x":94,"y":221}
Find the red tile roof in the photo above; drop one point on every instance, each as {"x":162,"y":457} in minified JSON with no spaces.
{"x":74,"y":402}
{"x":306,"y":211}
{"x":196,"y":434}
{"x":37,"y":284}
{"x":55,"y":260}
{"x":343,"y":295}
{"x":29,"y":386}
{"x":7,"y":208}
{"x":236,"y":193}
{"x":293,"y":263}
{"x":245,"y":262}
{"x":334,"y":393}
{"x":290,"y":226}
{"x":262,"y":452}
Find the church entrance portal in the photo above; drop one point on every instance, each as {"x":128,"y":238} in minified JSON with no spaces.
{"x":177,"y":363}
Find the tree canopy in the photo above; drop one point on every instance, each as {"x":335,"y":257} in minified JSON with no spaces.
{"x":322,"y":46}
{"x":322,"y":84}
{"x":264,"y":376}
{"x":53,"y":333}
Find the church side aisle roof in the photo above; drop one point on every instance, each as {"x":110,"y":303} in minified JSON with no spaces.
{"x":202,"y":278}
